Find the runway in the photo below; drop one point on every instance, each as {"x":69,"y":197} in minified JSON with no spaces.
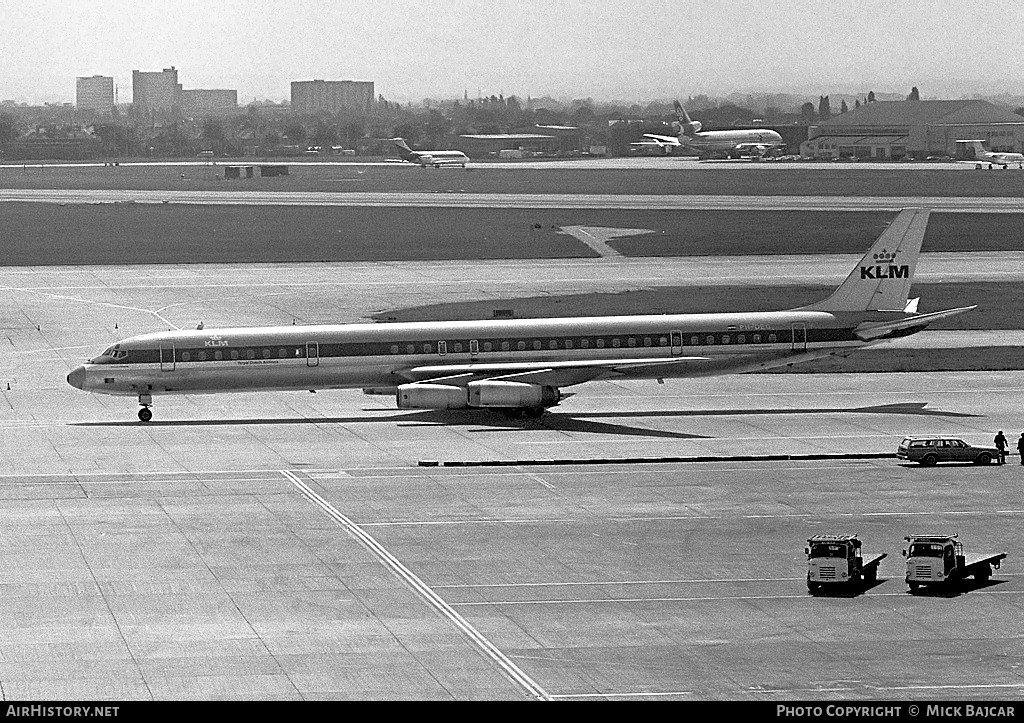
{"x":520,"y":200}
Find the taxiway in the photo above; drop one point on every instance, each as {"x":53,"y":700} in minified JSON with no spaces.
{"x":287,"y":546}
{"x":949,"y":204}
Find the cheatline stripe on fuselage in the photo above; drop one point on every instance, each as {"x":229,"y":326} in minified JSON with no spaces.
{"x":707,"y":340}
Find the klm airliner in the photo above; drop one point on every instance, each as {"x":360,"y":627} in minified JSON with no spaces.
{"x":521,"y":366}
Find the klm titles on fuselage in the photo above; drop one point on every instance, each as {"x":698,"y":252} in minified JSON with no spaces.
{"x":884,"y":272}
{"x":216,"y":341}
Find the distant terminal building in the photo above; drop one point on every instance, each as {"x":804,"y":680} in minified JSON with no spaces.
{"x":497,"y":144}
{"x":95,"y":93}
{"x":208,"y":102}
{"x":332,"y":96}
{"x":892,"y":130}
{"x":156,"y":92}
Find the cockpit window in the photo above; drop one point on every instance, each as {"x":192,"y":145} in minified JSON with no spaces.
{"x":113,"y":352}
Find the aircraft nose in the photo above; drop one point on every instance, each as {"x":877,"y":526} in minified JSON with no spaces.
{"x":77,"y":377}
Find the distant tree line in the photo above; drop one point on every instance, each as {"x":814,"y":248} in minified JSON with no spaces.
{"x":262,"y":129}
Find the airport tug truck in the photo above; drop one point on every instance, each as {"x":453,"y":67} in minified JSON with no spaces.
{"x":835,"y":560}
{"x":940,"y":560}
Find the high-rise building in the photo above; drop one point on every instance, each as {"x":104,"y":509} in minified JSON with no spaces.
{"x":202,"y":101}
{"x":331,"y":96}
{"x":156,"y":92}
{"x":95,"y":93}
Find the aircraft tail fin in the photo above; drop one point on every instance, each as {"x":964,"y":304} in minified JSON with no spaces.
{"x":686,"y":125}
{"x":977,"y":149}
{"x":403,"y":149}
{"x":881,"y":280}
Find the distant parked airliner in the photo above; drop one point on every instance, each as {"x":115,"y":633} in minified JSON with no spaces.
{"x":521,"y":365}
{"x":430,"y":158}
{"x":738,"y":141}
{"x":994,"y":158}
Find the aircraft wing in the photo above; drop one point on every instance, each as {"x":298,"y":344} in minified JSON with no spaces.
{"x":903,"y":327}
{"x":759,"y":147}
{"x":556,"y":374}
{"x":663,"y":140}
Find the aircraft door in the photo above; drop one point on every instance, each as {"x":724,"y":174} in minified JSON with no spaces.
{"x":167,"y":357}
{"x":312,"y":354}
{"x":677,"y":343}
{"x":799,"y":337}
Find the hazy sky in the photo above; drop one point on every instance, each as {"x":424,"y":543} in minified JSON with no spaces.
{"x":605,"y":49}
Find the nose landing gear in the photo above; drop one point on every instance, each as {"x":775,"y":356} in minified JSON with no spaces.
{"x":145,"y":414}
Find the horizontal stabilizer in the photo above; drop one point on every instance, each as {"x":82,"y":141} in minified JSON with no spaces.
{"x":879,"y":330}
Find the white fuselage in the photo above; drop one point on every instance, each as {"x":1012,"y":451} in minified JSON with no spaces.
{"x":1003,"y":159}
{"x":390,"y":355}
{"x":725,"y":141}
{"x":434,"y":158}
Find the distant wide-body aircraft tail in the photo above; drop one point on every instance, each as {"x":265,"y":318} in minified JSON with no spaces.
{"x":687,"y":126}
{"x":881,"y":280}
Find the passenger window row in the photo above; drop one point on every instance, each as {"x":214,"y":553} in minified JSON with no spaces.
{"x":629,"y":342}
{"x":298,"y":352}
{"x":473,"y":346}
{"x":476,"y":346}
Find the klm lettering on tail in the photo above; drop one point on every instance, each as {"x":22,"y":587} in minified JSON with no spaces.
{"x":885,"y":272}
{"x":889,"y":271}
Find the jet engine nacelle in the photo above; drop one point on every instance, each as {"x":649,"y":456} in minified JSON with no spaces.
{"x":431,"y":396}
{"x":512,"y":395}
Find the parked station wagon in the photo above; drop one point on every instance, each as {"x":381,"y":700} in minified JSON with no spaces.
{"x":932,"y":450}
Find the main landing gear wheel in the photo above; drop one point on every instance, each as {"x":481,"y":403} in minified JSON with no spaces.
{"x":145,"y":414}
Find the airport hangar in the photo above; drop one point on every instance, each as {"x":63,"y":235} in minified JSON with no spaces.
{"x":542,"y":140}
{"x":914,"y":129}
